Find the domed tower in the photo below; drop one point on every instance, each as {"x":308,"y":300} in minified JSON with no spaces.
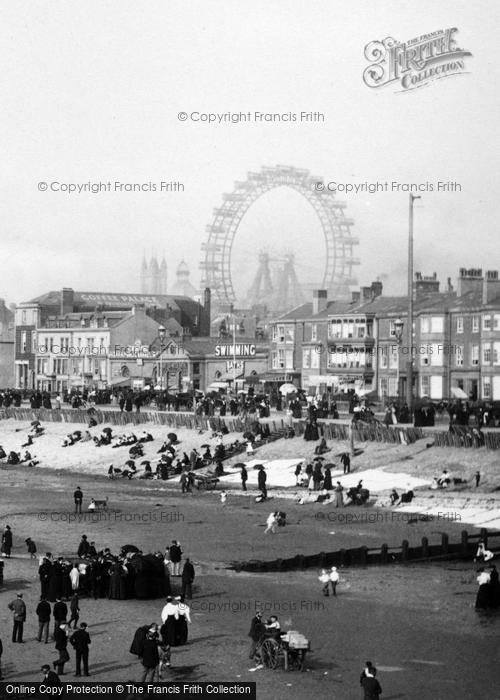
{"x":144,"y":276}
{"x":154,"y":272}
{"x":163,"y":276}
{"x":183,"y":286}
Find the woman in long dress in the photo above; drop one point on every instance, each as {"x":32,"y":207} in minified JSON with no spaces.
{"x":339,"y":496}
{"x":483,"y":593}
{"x":181,"y":624}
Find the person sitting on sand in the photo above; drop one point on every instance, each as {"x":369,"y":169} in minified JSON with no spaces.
{"x":68,"y":441}
{"x":3,"y":454}
{"x":321,"y":448}
{"x":29,"y":441}
{"x":394,"y":497}
{"x":482,"y":553}
{"x":444,"y":480}
{"x":86,"y":436}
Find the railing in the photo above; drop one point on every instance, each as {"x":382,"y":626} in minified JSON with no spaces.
{"x":364,"y":556}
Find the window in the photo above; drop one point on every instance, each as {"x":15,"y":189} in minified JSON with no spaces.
{"x":281,"y":334}
{"x":289,"y":359}
{"x":275,"y":333}
{"x":425,"y":325}
{"x":486,"y":387}
{"x":459,"y":356}
{"x":23,"y":341}
{"x":392,"y":329}
{"x":437,"y":355}
{"x":393,"y":357}
{"x":314,"y":359}
{"x":335,"y":328}
{"x":424,"y":385}
{"x":436,"y":387}
{"x":314,"y":331}
{"x":460,"y":324}
{"x":437,"y":324}
{"x":475,"y":355}
{"x":306,"y":358}
{"x":289,"y":334}
{"x":274,"y":359}
{"x":496,"y":322}
{"x":23,"y":317}
{"x":64,"y":344}
{"x":475,"y":324}
{"x":383,"y":386}
{"x":487,"y":353}
{"x":384,"y":357}
{"x":425,"y":359}
{"x":486,"y":323}
{"x":496,"y":353}
{"x":281,"y":359}
{"x":348,"y":328}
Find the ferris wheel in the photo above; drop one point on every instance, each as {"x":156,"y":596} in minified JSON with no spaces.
{"x":339,"y":258}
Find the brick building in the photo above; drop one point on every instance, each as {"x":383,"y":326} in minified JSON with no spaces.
{"x":362,"y":344}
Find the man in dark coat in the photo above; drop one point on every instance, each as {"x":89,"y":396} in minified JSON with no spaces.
{"x":44,"y":573}
{"x":7,"y":541}
{"x":50,"y":678}
{"x":244,"y":478}
{"x":175,"y":557}
{"x":18,"y":608}
{"x":61,"y":638}
{"x":187,"y":579}
{"x":346,"y":462}
{"x":83,"y":547}
{"x":262,"y":478}
{"x":257,"y":629}
{"x":60,"y":612}
{"x":371,"y":687}
{"x":43,"y":611}
{"x":78,"y":498}
{"x":150,"y":657}
{"x":80,"y":641}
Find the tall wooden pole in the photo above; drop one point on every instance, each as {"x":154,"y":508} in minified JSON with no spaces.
{"x":409,"y":372}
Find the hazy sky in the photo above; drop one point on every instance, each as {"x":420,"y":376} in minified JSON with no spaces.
{"x":91,"y":92}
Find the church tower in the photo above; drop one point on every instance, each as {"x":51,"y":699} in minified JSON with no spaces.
{"x":144,"y":276}
{"x":163,"y":276}
{"x":154,"y":273}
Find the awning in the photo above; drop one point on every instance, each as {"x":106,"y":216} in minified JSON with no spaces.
{"x":217,"y":385}
{"x":458,"y":393}
{"x":253,"y":379}
{"x":317,"y":379}
{"x":120,"y":381}
{"x":229,"y":376}
{"x":280,"y":378}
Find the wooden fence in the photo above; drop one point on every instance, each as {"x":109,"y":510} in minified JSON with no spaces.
{"x":331,"y":431}
{"x":466,"y":437}
{"x":365,"y":433}
{"x":364,"y":556}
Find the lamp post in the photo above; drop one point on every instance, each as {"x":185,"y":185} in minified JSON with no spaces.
{"x":398,"y":335}
{"x":161,"y":335}
{"x":409,"y":372}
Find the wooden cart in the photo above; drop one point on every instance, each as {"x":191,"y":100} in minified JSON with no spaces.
{"x":205,"y":482}
{"x":291,"y":648}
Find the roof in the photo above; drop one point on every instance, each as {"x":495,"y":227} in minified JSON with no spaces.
{"x":87,"y":301}
{"x":303,"y":311}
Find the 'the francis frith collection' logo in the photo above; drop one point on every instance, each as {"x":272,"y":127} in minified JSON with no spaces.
{"x":416,"y":62}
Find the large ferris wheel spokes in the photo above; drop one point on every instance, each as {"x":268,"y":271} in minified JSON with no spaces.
{"x":339,"y":259}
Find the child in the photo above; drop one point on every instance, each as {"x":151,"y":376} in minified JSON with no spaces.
{"x":223,"y":498}
{"x":31,"y":547}
{"x":164,"y":654}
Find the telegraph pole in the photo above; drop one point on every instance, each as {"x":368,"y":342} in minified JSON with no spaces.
{"x":409,"y":371}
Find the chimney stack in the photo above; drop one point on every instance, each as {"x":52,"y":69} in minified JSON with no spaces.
{"x":67,"y":300}
{"x":320,"y":300}
{"x":491,"y":286}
